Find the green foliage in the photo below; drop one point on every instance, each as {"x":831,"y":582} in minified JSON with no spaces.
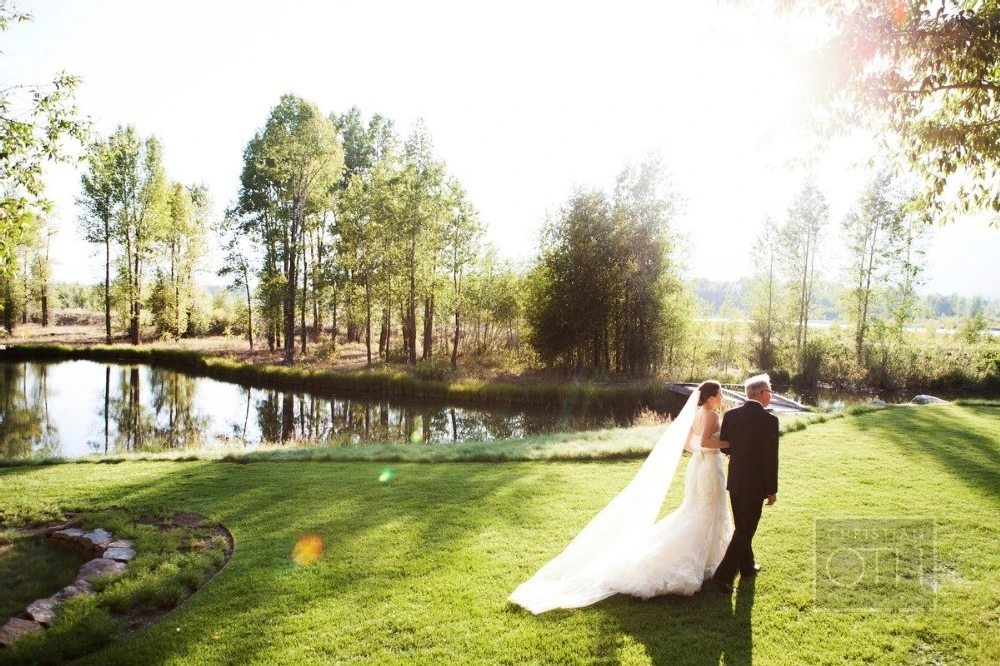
{"x":973,"y":328}
{"x":436,"y":371}
{"x":800,"y":239}
{"x":299,"y":159}
{"x":877,"y":242}
{"x":227,"y":314}
{"x":35,"y":123}
{"x":922,"y":74}
{"x":604,"y":274}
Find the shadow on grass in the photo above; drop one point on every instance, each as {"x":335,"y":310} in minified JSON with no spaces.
{"x":708,"y":628}
{"x":953,"y":438}
{"x":405,"y":572}
{"x":385,"y":544}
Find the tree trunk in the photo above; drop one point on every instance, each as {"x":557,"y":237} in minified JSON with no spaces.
{"x":292,"y":284}
{"x":305,"y":293}
{"x":428,"y":350}
{"x":177,"y":290}
{"x":27,"y":292}
{"x":368,"y":319}
{"x":383,"y":338}
{"x":107,"y":282}
{"x":317,"y":261}
{"x":137,"y":302}
{"x":411,"y":324}
{"x":454,"y":344}
{"x":246,"y":283}
{"x":333,"y":322}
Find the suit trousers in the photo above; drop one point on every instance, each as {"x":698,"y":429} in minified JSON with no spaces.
{"x":739,"y":554}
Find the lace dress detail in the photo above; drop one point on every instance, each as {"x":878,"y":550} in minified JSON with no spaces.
{"x":683,"y":549}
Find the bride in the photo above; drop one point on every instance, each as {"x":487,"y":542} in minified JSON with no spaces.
{"x":624,"y":549}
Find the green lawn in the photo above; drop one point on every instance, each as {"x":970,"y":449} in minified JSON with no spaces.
{"x":32,"y":569}
{"x":417,"y":569}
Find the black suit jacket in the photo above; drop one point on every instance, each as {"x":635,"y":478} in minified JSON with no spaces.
{"x":752,"y":433}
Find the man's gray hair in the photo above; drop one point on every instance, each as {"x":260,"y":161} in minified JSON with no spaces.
{"x":756,"y":384}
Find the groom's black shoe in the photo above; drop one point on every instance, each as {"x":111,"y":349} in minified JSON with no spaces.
{"x":751,"y":573}
{"x":720,"y":586}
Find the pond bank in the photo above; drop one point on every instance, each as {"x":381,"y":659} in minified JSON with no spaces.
{"x":654,"y":395}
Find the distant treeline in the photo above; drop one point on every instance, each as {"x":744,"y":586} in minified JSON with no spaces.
{"x":720,"y":298}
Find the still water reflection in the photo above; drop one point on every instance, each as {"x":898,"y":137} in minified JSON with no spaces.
{"x":79,"y":408}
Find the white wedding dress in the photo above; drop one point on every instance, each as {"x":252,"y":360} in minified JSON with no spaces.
{"x":625,"y":550}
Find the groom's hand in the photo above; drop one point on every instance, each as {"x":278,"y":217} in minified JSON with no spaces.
{"x":771,"y":499}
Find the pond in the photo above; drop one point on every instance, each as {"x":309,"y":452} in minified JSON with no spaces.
{"x":72,"y":409}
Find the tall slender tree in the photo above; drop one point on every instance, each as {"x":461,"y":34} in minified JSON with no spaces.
{"x":301,"y":156}
{"x":424,"y":206}
{"x":99,"y":206}
{"x":238,"y":262}
{"x":765,"y":298}
{"x":142,"y":205}
{"x":870,"y":235}
{"x":463,"y":236}
{"x":801,"y":237}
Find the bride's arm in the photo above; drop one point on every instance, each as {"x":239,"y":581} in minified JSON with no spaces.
{"x":711,"y":425}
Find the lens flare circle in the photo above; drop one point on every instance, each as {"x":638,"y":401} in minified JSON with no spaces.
{"x":386,"y":475}
{"x":308,"y":550}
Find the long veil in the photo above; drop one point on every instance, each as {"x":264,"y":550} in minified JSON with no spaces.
{"x":576,"y":577}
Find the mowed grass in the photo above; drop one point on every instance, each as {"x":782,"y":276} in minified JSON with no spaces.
{"x":30,"y":569}
{"x":416,"y":570}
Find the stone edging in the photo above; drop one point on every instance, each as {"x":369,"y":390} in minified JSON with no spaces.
{"x":107,"y":558}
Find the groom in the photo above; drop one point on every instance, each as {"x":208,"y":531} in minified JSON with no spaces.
{"x":752,"y":434}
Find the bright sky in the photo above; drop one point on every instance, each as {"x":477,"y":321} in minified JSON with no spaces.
{"x":525,"y":101}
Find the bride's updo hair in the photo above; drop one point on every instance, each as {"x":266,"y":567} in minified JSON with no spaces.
{"x":707,"y":390}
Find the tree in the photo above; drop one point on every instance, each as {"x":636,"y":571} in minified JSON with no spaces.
{"x":463,"y":233}
{"x":370,"y":223}
{"x":99,"y":209}
{"x":871,"y":235}
{"x":41,"y":268}
{"x":926,"y":75}
{"x":141,"y":199}
{"x":424,"y":204}
{"x":765,"y":298}
{"x":604,"y":281}
{"x":34,"y":123}
{"x":256,"y":215}
{"x":567,"y":307}
{"x":800,"y":238}
{"x":301,"y":157}
{"x":238,"y":266}
{"x":181,"y":241}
